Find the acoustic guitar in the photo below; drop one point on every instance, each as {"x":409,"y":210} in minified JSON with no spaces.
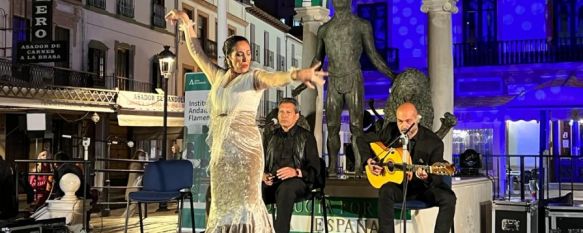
{"x":393,"y":168}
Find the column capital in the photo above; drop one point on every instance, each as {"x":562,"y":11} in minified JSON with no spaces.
{"x":309,"y":14}
{"x":439,"y":6}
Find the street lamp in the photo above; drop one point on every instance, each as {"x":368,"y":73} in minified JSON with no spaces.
{"x":166,"y":61}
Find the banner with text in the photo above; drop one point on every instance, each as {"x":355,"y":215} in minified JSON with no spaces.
{"x":196,"y":120}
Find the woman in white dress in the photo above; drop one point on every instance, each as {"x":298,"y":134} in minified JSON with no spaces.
{"x":236,"y":164}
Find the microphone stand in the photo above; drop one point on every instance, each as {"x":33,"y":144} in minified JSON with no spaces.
{"x":405,"y":142}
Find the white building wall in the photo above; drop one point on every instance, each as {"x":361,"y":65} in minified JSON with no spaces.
{"x":240,"y":20}
{"x":138,"y":31}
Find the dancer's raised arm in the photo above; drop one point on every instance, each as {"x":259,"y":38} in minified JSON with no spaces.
{"x":211,"y":70}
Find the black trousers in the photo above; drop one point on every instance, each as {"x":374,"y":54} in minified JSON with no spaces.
{"x":443,"y":198}
{"x":284,"y":194}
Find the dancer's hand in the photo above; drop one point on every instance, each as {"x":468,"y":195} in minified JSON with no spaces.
{"x":175,"y":16}
{"x":311,"y":76}
{"x":178,"y":16}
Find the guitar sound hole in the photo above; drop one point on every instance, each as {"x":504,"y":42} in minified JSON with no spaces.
{"x":390,"y":166}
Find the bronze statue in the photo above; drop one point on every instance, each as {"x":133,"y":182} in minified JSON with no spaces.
{"x":343,"y":40}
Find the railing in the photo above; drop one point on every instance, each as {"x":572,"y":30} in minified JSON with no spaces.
{"x":125,"y":8}
{"x":96,"y":3}
{"x":127,"y":84}
{"x":268,"y":62}
{"x":390,"y":55}
{"x":518,"y":52}
{"x":25,"y":75}
{"x":517,"y":176}
{"x":256,"y":50}
{"x":281,"y":63}
{"x":295,"y":62}
{"x":34,"y":75}
{"x":158,"y":13}
{"x":210,"y":48}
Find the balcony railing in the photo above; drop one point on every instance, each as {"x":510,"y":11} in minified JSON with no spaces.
{"x":126,"y":84}
{"x":34,"y":75}
{"x":210,"y":48}
{"x":518,"y":52}
{"x":40,"y":76}
{"x":96,"y":3}
{"x":268,"y":62}
{"x":158,"y":13}
{"x":295,"y":62}
{"x":390,"y":55}
{"x":256,"y":52}
{"x":125,"y":8}
{"x":281,"y":63}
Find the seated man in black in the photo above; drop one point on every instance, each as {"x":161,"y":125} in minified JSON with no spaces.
{"x":291,"y":164}
{"x":425,"y":148}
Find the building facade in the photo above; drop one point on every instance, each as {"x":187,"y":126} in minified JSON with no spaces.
{"x":107,"y":85}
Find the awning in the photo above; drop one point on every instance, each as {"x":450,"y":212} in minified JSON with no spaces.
{"x":46,"y":104}
{"x":148,"y":121}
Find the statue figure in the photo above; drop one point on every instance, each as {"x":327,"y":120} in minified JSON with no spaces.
{"x":343,"y":40}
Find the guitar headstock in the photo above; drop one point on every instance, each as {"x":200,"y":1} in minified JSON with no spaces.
{"x":442,"y":169}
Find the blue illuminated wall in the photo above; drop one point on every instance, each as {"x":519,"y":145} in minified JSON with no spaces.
{"x":521,"y":19}
{"x":409,"y":32}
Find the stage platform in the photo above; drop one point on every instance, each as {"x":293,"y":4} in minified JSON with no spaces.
{"x":353,"y":208}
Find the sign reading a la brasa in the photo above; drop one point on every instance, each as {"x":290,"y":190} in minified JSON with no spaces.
{"x":52,"y":51}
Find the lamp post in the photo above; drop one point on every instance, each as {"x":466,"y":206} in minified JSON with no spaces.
{"x":166,"y":61}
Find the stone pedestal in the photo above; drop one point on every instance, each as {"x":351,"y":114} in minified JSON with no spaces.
{"x":68,"y":207}
{"x":312,"y":101}
{"x":440,"y":61}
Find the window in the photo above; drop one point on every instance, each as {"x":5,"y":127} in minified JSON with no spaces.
{"x":479,"y":21}
{"x":266,"y":44}
{"x":231,"y":32}
{"x":202,"y":27}
{"x":124,"y":56}
{"x":96,"y":3}
{"x":158,"y":13}
{"x":155,"y":76}
{"x":125,"y":8}
{"x":20,"y":33}
{"x":568,"y":18}
{"x":280,"y":58}
{"x":63,"y":34}
{"x":97,"y":55}
{"x":376,"y":14}
{"x":190,"y":13}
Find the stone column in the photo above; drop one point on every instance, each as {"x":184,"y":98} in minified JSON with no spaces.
{"x":440,"y":61}
{"x":312,"y":101}
{"x":221,"y":31}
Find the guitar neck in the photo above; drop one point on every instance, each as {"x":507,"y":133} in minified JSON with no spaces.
{"x":409,"y":167}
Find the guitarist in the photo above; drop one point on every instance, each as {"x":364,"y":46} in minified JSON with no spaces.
{"x":426,"y":148}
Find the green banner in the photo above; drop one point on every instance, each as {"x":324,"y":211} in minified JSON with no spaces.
{"x":196,"y":118}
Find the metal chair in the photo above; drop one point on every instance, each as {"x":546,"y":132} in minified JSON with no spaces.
{"x":416,"y":205}
{"x":165,"y":180}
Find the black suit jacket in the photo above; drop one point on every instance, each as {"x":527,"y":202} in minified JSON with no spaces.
{"x":427,"y":149}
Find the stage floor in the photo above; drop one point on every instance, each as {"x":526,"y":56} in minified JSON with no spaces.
{"x":166,"y":221}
